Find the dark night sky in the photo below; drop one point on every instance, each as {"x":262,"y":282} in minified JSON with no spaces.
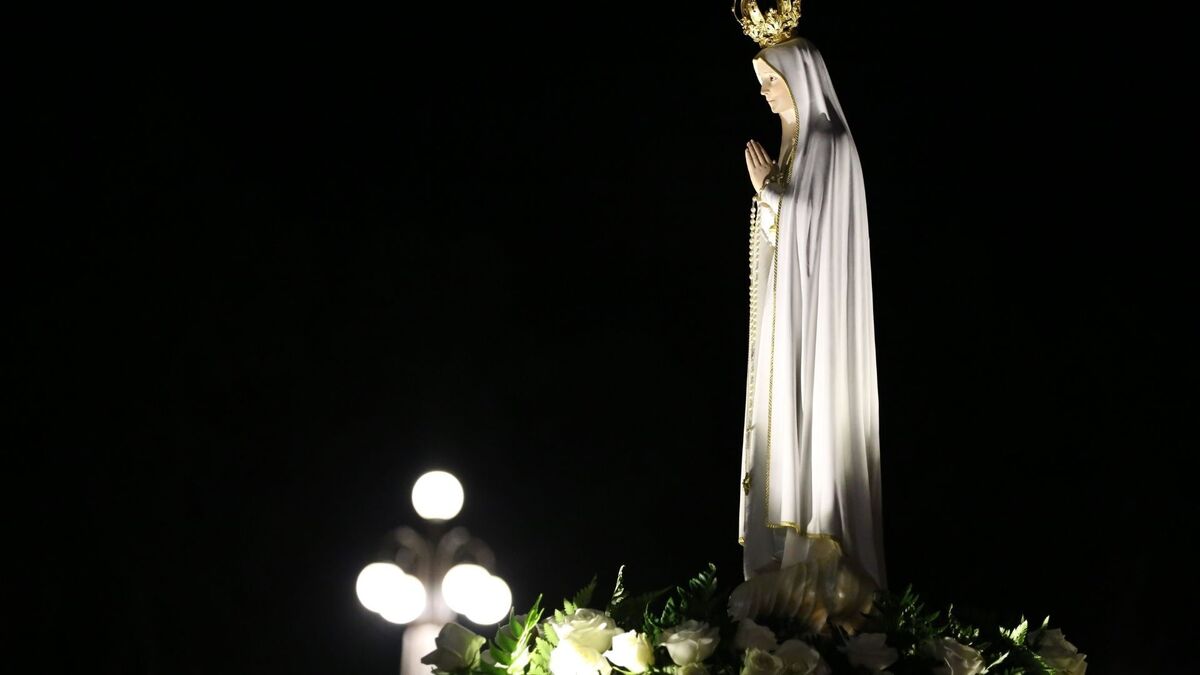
{"x":275,"y":272}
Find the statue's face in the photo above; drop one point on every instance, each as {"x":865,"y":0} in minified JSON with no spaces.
{"x":773,"y":88}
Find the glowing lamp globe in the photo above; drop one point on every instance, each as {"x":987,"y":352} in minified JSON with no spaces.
{"x":462,"y":585}
{"x":386,"y":589}
{"x":472,"y":591}
{"x":492,"y":604}
{"x":377,"y":583}
{"x":407,"y":601}
{"x":437,"y":495}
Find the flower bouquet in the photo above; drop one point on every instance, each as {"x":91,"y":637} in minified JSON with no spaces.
{"x":688,"y":630}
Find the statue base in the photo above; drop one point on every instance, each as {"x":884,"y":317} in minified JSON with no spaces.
{"x":822,"y":590}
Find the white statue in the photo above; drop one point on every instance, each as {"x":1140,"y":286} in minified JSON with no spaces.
{"x":810,"y":507}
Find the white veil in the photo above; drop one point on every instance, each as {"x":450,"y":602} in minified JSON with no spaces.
{"x":815,"y":346}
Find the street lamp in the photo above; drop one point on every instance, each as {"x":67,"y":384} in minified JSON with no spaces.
{"x":432,"y":578}
{"x":437,"y":496}
{"x":386,"y":589}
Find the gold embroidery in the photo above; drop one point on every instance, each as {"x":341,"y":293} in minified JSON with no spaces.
{"x":800,"y":531}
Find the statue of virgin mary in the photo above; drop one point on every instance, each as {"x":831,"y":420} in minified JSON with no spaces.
{"x":810,"y":504}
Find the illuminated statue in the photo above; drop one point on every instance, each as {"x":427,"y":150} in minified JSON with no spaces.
{"x":810,"y":508}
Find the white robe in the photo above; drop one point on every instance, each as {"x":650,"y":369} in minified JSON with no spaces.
{"x":810,"y":454}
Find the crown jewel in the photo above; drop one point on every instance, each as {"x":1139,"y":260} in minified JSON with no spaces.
{"x":769,"y":29}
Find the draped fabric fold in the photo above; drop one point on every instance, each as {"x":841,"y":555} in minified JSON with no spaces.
{"x":810,"y":452}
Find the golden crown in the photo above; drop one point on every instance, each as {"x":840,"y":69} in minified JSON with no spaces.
{"x":770,"y":29}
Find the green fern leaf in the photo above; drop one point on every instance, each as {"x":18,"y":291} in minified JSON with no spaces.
{"x":618,"y":595}
{"x":997,"y":662}
{"x":584,"y":597}
{"x":636,"y":608}
{"x":512,"y":639}
{"x":539,"y":661}
{"x":1021,"y":632}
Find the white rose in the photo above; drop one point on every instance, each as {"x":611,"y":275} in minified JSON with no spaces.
{"x":750,"y":634}
{"x":589,"y":628}
{"x":1052,"y":646}
{"x":573,"y":658}
{"x":959,"y":659}
{"x":799,"y":658}
{"x":759,"y":662}
{"x":631,"y":651}
{"x":692,"y":669}
{"x":869,"y":651}
{"x":457,"y":648}
{"x":690,"y":642}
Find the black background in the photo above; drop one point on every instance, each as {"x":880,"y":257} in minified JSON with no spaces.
{"x":280,"y":265}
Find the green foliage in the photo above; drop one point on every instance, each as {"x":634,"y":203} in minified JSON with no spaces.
{"x":698,"y":600}
{"x":636,"y":610}
{"x":544,"y":643}
{"x":906,"y":621}
{"x":508,"y":648}
{"x":963,"y":632}
{"x":618,"y":595}
{"x":671,"y":614}
{"x":1018,"y":634}
{"x":523,"y":645}
{"x":988,"y":668}
{"x":539,"y":662}
{"x":1020,"y":656}
{"x":582,"y":598}
{"x":701,"y":591}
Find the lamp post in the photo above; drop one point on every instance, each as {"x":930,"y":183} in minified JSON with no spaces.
{"x":430,"y":578}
